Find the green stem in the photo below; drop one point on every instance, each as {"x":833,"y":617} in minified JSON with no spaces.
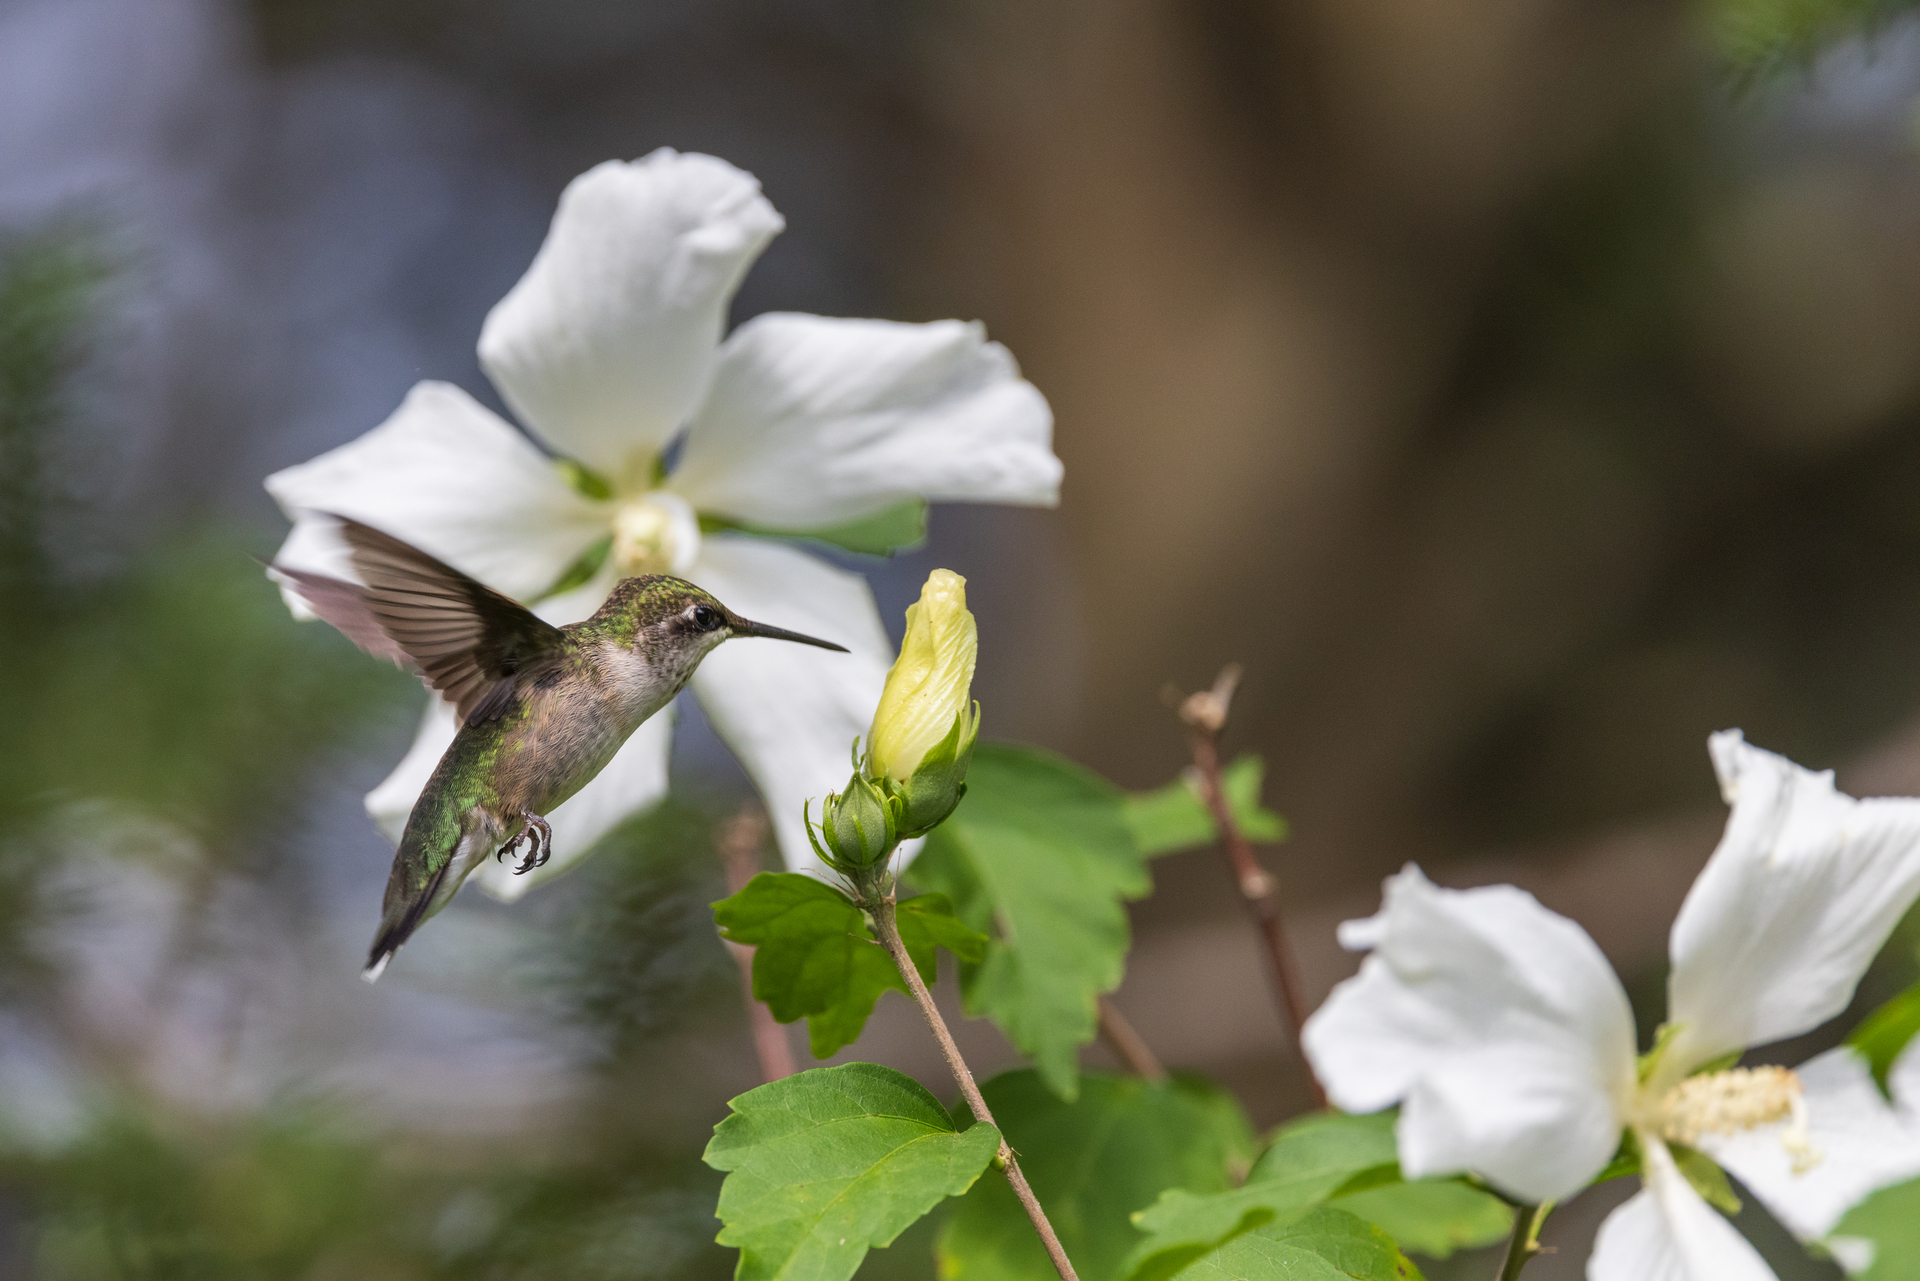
{"x":881,"y":908}
{"x":1527,"y":1221}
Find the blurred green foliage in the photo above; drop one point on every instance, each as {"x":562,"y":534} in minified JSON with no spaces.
{"x":1761,"y":36}
{"x":163,"y":708}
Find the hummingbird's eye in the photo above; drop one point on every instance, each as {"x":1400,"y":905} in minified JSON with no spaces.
{"x":706,"y":618}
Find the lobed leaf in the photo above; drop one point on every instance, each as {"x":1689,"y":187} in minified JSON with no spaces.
{"x":817,"y":959}
{"x":1175,"y":817}
{"x":1041,"y":853}
{"x":1324,"y":1244}
{"x":828,"y":1163}
{"x":1350,"y":1162}
{"x":1433,"y":1217}
{"x":1092,"y":1162}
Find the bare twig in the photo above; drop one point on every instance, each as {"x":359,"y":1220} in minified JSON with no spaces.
{"x":1205,"y":714}
{"x":1127,"y":1043}
{"x":881,"y":909}
{"x":739,"y":844}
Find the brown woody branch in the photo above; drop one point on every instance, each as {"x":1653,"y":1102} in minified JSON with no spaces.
{"x":1205,"y":715}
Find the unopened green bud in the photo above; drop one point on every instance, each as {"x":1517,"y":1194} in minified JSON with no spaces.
{"x":858,"y":827}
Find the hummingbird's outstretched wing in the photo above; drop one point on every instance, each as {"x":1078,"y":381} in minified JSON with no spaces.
{"x":466,"y":640}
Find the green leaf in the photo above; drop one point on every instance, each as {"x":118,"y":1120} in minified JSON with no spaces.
{"x":902,"y":527}
{"x":1092,"y":1163}
{"x":1886,"y":1031}
{"x":1311,"y":1160}
{"x":1707,"y":1178}
{"x":1174,"y":817}
{"x":1433,"y":1217}
{"x":827,"y":1163}
{"x":1324,"y":1244}
{"x":1890,"y":1218}
{"x":816,"y":959}
{"x":1350,"y":1162}
{"x":1040,"y":853}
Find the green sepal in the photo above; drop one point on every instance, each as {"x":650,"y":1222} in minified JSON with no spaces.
{"x":899,"y":528}
{"x":586,"y":482}
{"x":1882,"y":1036}
{"x":939,"y":782}
{"x":584,"y":567}
{"x":1648,"y":1063}
{"x":1626,"y":1160}
{"x":1707,"y":1178}
{"x":859,"y":826}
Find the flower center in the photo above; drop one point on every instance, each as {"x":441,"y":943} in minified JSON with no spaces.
{"x":1735,"y":1100}
{"x":656,"y":533}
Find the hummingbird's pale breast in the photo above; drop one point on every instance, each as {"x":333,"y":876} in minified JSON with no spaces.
{"x":575,"y":721}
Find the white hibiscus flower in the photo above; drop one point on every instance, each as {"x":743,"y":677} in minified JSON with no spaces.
{"x":1503,"y":1034}
{"x":609,"y":349}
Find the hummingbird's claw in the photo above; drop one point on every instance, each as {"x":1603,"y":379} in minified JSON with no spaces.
{"x":540,"y":833}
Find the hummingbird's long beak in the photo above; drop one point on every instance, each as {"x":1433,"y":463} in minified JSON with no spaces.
{"x":741,"y":627}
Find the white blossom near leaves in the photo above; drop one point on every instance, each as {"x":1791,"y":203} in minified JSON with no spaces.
{"x":1502,"y":1033}
{"x":610,"y":350}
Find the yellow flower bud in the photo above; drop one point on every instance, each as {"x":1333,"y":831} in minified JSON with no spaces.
{"x":927,"y":689}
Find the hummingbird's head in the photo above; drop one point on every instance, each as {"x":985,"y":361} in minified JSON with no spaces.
{"x":674,"y":624}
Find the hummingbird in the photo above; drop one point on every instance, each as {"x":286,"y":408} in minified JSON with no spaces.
{"x":542,"y":709}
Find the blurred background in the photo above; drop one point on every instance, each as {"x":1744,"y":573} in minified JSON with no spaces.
{"x":1520,"y":389}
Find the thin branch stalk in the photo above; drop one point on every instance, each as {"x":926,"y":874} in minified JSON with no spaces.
{"x":1527,"y":1222}
{"x":739,"y":843}
{"x":1205,"y":714}
{"x":1129,"y":1045}
{"x":881,"y":908}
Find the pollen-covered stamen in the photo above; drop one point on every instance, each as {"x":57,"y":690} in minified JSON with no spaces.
{"x":1740,"y":1099}
{"x":656,"y":533}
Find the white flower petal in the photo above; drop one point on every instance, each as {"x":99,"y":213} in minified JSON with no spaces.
{"x":633,"y":782}
{"x":1804,"y":888}
{"x":606,"y":345}
{"x":1665,"y":1232}
{"x":447,"y":475}
{"x":1861,"y":1144}
{"x":791,"y":712}
{"x":1498,"y":1023}
{"x":814,"y":422}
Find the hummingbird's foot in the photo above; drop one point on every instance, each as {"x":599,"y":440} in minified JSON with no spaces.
{"x":511,"y":845}
{"x":540,"y":834}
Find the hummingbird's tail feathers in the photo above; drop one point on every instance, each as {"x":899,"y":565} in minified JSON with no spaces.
{"x":402,"y":919}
